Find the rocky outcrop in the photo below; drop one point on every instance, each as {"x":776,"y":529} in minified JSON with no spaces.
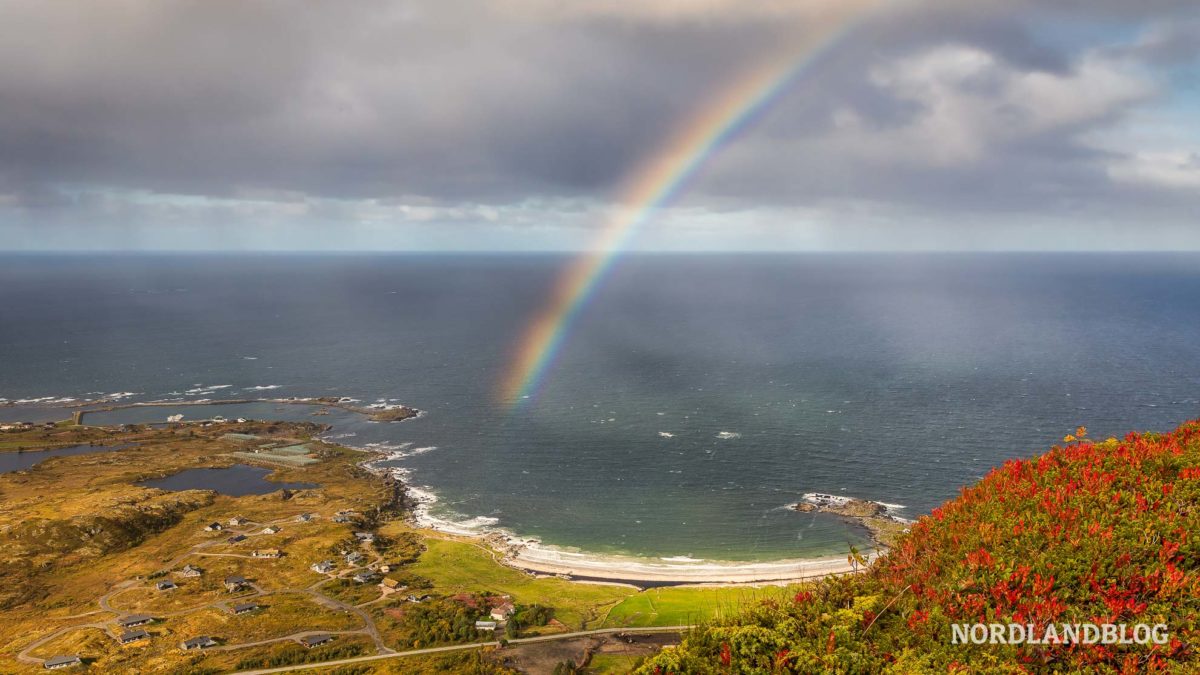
{"x":883,"y":526}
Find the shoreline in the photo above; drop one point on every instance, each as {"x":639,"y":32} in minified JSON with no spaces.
{"x":529,"y":555}
{"x":535,"y":558}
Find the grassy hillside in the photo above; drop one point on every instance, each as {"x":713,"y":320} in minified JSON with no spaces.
{"x":1090,"y":532}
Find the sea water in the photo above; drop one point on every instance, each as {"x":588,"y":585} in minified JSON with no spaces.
{"x":695,"y":398}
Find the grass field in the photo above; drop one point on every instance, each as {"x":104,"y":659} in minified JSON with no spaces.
{"x":684,"y":605}
{"x":460,"y":567}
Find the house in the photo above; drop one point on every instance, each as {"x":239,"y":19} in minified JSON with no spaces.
{"x":190,"y":571}
{"x":385,"y":568}
{"x":365,"y":537}
{"x":57,"y":662}
{"x":165,"y":585}
{"x":485,"y":625}
{"x":202,"y":642}
{"x":311,"y":641}
{"x":267,"y":553}
{"x":304,"y":517}
{"x":213,"y":527}
{"x":236,"y":538}
{"x":323,"y":567}
{"x":237,"y":520}
{"x":413,"y":598}
{"x":244,"y":608}
{"x":341,"y":519}
{"x":234,"y":583}
{"x":354,"y":557}
{"x":502,"y":611}
{"x":270,"y":529}
{"x":133,"y":636}
{"x":134,"y":620}
{"x":364,"y":577}
{"x":390,"y":584}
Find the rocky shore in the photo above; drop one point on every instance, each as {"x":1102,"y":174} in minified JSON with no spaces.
{"x":875,"y":516}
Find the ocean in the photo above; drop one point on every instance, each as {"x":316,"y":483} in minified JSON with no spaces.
{"x":897,"y":378}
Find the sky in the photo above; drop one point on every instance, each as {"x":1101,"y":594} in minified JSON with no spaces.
{"x":516,"y":125}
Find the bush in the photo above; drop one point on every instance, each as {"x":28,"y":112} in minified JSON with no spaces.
{"x":527,"y":616}
{"x":1086,"y":533}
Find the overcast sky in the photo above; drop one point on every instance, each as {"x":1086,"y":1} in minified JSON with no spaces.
{"x":512,"y":124}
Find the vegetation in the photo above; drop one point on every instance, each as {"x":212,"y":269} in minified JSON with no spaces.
{"x":463,"y":567}
{"x":401,"y":548}
{"x":290,"y":653}
{"x":431,"y":623}
{"x":687,"y":605}
{"x":529,"y":616}
{"x":1087,"y":533}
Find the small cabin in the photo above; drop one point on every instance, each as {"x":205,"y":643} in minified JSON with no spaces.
{"x":485,"y":625}
{"x":202,"y":642}
{"x":267,"y":553}
{"x":234,"y":583}
{"x":311,"y":641}
{"x":213,"y":527}
{"x":323,"y":567}
{"x":244,"y":608}
{"x":133,"y":636}
{"x":190,"y":571}
{"x":56,"y":662}
{"x":165,"y":585}
{"x":134,"y":620}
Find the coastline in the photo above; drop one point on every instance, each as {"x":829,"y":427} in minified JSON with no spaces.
{"x":538,"y":559}
{"x":529,"y":555}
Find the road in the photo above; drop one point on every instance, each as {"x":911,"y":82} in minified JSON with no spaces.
{"x":455,"y":648}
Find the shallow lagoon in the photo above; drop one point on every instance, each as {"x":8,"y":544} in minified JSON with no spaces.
{"x":235,"y":481}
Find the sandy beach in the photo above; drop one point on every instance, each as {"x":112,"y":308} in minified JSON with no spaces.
{"x":546,"y":560}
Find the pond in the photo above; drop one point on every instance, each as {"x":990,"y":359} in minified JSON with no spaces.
{"x":236,"y":481}
{"x":19,"y":461}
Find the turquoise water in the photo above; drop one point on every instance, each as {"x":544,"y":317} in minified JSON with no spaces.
{"x":897,"y":378}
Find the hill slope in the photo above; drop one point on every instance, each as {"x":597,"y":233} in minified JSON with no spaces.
{"x":1090,"y":532}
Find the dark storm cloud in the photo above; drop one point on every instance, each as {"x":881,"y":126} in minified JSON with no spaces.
{"x":457,"y":102}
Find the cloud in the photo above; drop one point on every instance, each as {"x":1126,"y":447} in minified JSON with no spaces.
{"x":489,"y":113}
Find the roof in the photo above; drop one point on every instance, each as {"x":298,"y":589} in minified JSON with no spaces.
{"x":315,"y":639}
{"x":235,"y":580}
{"x":135,"y":618}
{"x":198,"y":641}
{"x":134,"y":635}
{"x":60,"y":660}
{"x":245,"y":607}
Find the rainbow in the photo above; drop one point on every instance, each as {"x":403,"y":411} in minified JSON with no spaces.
{"x":655,"y":184}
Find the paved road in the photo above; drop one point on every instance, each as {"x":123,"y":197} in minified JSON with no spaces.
{"x":454,"y":648}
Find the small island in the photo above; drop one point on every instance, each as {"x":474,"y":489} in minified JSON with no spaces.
{"x":884,"y":527}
